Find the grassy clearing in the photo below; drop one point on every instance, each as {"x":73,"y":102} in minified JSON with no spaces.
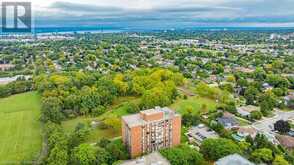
{"x":20,"y":137}
{"x":96,"y":134}
{"x":196,"y":104}
{"x":117,"y":110}
{"x":242,"y":121}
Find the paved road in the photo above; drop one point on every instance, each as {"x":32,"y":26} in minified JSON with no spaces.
{"x":266,"y":125}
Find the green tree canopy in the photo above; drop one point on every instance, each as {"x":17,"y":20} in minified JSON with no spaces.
{"x":214,"y":149}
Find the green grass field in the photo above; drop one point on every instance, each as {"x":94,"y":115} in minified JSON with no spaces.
{"x":96,"y":134}
{"x":196,"y":104}
{"x":181,"y":106}
{"x":20,"y":137}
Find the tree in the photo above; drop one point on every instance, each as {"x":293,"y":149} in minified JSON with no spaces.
{"x":155,"y":97}
{"x":117,"y":150}
{"x":244,"y":146}
{"x":263,"y":155}
{"x":183,"y":155}
{"x":216,"y":126}
{"x":58,"y":156}
{"x":79,"y":134}
{"x":84,"y":154}
{"x":267,"y":103}
{"x":120,"y":84}
{"x":259,"y":74}
{"x":251,"y":95}
{"x":113,"y":122}
{"x":214,"y":149}
{"x":231,"y":78}
{"x":132,"y":107}
{"x":265,"y":108}
{"x":190,"y":119}
{"x":282,"y":126}
{"x":279,"y":160}
{"x":230,"y":107}
{"x":99,"y":110}
{"x":57,"y":144}
{"x":261,"y":141}
{"x":103,"y":142}
{"x":256,"y":115}
{"x":280,"y":91}
{"x":277,"y":81}
{"x":103,"y":157}
{"x":51,"y":109}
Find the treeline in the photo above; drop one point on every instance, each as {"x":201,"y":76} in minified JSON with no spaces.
{"x":88,"y":93}
{"x":70,"y":148}
{"x":21,"y":85}
{"x":156,"y":87}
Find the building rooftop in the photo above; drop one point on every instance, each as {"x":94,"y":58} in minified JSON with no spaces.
{"x":286,"y":141}
{"x":227,"y":122}
{"x":234,"y":159}
{"x":139,"y":119}
{"x":247,"y":130}
{"x":201,"y":132}
{"x":246,"y":110}
{"x":154,"y":158}
{"x":133,"y":120}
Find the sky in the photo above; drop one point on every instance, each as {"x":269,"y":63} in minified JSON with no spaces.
{"x":164,"y":12}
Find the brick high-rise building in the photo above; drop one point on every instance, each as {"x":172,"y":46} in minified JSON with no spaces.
{"x":151,"y":130}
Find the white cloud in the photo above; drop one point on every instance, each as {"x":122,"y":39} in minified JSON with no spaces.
{"x":187,"y":10}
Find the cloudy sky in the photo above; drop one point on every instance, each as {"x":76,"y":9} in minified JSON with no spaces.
{"x":160,"y":12}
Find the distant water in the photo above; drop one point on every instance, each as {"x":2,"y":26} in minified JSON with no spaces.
{"x":77,"y":29}
{"x":115,"y":29}
{"x":119,"y":29}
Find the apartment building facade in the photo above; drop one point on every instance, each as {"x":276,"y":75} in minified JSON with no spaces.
{"x":151,"y":130}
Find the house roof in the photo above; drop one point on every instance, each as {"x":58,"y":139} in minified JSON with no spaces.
{"x":248,"y":108}
{"x":228,"y":114}
{"x":202,"y":132}
{"x":286,"y":141}
{"x":234,"y":159}
{"x":289,"y":97}
{"x":248,"y":130}
{"x":6,"y":66}
{"x":227,"y":121}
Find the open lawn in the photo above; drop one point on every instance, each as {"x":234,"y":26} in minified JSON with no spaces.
{"x":20,"y":137}
{"x":196,"y":104}
{"x":95,"y":134}
{"x":117,"y":109}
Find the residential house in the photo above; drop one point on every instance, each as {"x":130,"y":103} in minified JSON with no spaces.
{"x":266,"y":86}
{"x":289,"y":100}
{"x":199,"y":133}
{"x":234,"y":159}
{"x":4,"y":67}
{"x":244,"y":70}
{"x":286,"y":141}
{"x":245,"y":111}
{"x":243,"y":132}
{"x":228,"y":120}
